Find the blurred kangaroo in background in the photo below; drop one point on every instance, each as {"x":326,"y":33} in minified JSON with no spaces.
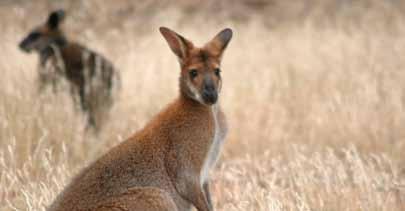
{"x":164,"y":166}
{"x":92,"y":79}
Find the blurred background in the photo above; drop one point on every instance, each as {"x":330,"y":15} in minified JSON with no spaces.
{"x":314,"y":93}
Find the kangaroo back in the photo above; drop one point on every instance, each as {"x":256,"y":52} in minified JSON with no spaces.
{"x":168,"y":161}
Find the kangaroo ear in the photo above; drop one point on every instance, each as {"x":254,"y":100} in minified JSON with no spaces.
{"x":219,"y":43}
{"x":179,"y":45}
{"x":55,"y":18}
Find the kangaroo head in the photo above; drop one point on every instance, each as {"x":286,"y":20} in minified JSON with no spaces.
{"x":45,"y":35}
{"x":200,"y":66}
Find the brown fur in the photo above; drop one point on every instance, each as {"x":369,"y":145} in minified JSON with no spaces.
{"x":92,"y":78}
{"x":161,"y":165}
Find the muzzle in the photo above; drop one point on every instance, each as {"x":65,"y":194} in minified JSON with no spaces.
{"x":23,"y":46}
{"x":209,"y":93}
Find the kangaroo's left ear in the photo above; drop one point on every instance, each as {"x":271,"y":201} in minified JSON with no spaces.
{"x":55,"y":18}
{"x":219,"y":43}
{"x":179,"y":45}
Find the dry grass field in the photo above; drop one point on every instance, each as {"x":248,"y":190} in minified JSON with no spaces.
{"x":314,"y":92}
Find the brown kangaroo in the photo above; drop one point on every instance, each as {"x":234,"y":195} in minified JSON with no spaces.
{"x":164,"y":166}
{"x":91,"y":77}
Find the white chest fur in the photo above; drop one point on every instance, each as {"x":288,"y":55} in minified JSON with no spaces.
{"x":216,"y":146}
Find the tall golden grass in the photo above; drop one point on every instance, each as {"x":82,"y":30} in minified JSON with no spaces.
{"x":314,"y":92}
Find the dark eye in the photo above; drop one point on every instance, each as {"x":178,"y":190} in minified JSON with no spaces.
{"x":217,"y":72}
{"x":34,"y":35}
{"x":193,"y":73}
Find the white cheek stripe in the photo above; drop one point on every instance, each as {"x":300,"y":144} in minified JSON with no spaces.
{"x":59,"y":59}
{"x":194,"y":91}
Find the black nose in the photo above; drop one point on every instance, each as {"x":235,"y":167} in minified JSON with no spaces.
{"x":22,"y":46}
{"x":210,"y":95}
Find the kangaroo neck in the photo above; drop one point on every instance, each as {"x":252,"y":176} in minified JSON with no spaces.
{"x":194,"y":105}
{"x":48,"y":51}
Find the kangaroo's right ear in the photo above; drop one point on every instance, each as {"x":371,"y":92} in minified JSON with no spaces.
{"x":55,"y":18}
{"x":179,"y":45}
